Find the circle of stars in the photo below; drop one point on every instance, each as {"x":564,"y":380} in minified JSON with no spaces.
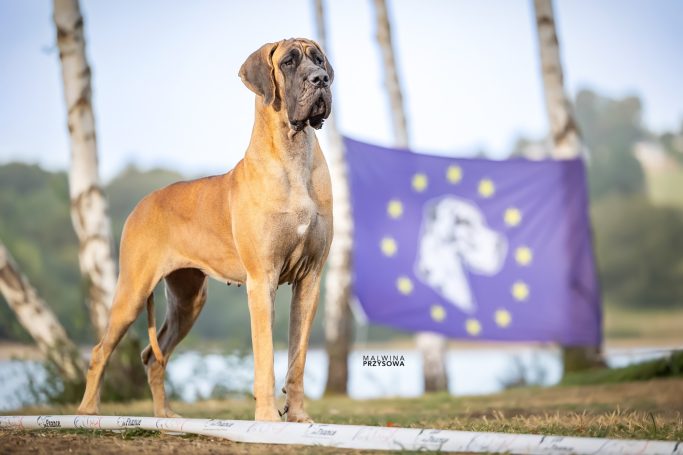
{"x":512,"y":217}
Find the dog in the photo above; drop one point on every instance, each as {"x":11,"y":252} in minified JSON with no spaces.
{"x":454,"y":237}
{"x":266,"y":222}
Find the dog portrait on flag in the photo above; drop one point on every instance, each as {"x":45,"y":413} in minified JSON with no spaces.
{"x":454,"y":240}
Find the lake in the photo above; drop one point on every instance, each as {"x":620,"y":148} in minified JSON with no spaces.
{"x":194,"y":376}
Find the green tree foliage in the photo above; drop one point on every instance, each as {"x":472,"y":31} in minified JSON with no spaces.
{"x":639,"y":249}
{"x":610,"y":128}
{"x":673,"y":144}
{"x":638,"y":244}
{"x":35,"y":226}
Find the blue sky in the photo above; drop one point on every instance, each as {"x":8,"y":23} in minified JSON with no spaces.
{"x":166,"y":91}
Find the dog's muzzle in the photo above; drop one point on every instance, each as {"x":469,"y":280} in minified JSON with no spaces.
{"x":314,"y":102}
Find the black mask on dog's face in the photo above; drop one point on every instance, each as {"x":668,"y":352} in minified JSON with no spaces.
{"x":296,"y":72}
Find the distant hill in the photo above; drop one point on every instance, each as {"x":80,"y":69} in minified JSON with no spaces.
{"x":663,"y":171}
{"x":36,"y":227}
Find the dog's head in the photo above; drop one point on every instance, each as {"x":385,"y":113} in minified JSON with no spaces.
{"x":461,"y":225}
{"x":293,"y":75}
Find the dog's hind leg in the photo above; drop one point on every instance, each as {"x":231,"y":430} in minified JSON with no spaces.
{"x":128,"y":302}
{"x":185,"y":296}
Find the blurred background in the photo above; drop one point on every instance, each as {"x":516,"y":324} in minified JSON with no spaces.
{"x":169,"y":106}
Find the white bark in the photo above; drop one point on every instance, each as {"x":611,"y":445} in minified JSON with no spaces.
{"x":431,"y":345}
{"x":338,"y":317}
{"x":566,"y":142}
{"x":565,"y":135}
{"x":391,"y":80}
{"x":88,"y":204}
{"x":38,"y":319}
{"x":433,"y":349}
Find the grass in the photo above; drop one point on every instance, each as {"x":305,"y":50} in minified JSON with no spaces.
{"x":664,"y":186}
{"x":669,"y":366}
{"x":634,"y":410}
{"x":630,"y":403}
{"x":643,"y":326}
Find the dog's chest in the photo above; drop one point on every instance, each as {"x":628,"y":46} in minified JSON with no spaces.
{"x":303,"y":231}
{"x":302,"y":223}
{"x":304,"y":217}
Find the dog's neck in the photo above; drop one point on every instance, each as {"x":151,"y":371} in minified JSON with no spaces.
{"x":272,"y":140}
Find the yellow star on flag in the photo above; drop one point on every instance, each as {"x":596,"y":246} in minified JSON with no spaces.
{"x":512,"y":217}
{"x":454,"y":174}
{"x":395,"y":208}
{"x":520,"y":291}
{"x":404,"y":285}
{"x":486,"y":188}
{"x":388,"y":246}
{"x":438,"y":313}
{"x":473,"y":327}
{"x":523,"y":255}
{"x":420,"y":182}
{"x":503,"y":318}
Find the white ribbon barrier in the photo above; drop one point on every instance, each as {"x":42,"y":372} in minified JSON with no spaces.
{"x":351,"y":436}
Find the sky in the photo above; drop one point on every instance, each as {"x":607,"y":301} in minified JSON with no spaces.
{"x":166,"y":91}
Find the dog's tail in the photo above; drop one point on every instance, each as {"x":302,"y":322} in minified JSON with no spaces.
{"x":152,"y":331}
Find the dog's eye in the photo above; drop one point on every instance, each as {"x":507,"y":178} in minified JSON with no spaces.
{"x":288,"y":62}
{"x":318,"y":60}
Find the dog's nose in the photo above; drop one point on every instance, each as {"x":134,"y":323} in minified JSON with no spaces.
{"x":319,"y":78}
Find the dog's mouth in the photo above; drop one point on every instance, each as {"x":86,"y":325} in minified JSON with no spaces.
{"x":317,"y":113}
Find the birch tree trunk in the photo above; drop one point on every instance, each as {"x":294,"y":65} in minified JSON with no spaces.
{"x":338,"y":317}
{"x":431,"y":345}
{"x":564,"y":132}
{"x":566,"y":141}
{"x":391,"y":81}
{"x":88,"y":204}
{"x":39,"y":320}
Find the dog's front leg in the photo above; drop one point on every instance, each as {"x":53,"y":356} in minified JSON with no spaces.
{"x":261,"y":291}
{"x":304,"y":306}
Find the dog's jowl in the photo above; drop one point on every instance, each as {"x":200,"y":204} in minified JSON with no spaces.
{"x":267,"y":221}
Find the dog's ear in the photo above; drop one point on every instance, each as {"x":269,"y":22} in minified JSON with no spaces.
{"x":328,"y":66}
{"x":258,"y":74}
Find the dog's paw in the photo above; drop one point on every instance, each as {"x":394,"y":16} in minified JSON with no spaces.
{"x":299,"y":417}
{"x":87,"y":412}
{"x":168,"y":413}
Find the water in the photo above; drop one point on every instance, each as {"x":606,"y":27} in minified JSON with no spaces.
{"x":194,"y":376}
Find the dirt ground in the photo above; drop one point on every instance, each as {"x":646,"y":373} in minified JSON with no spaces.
{"x":108,"y":443}
{"x":639,"y":410}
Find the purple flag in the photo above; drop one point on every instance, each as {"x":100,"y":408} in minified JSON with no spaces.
{"x":474,"y":248}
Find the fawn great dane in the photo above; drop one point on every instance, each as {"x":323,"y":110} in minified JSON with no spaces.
{"x":266,"y":222}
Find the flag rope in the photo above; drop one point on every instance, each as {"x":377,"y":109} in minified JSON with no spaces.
{"x":349,"y":436}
